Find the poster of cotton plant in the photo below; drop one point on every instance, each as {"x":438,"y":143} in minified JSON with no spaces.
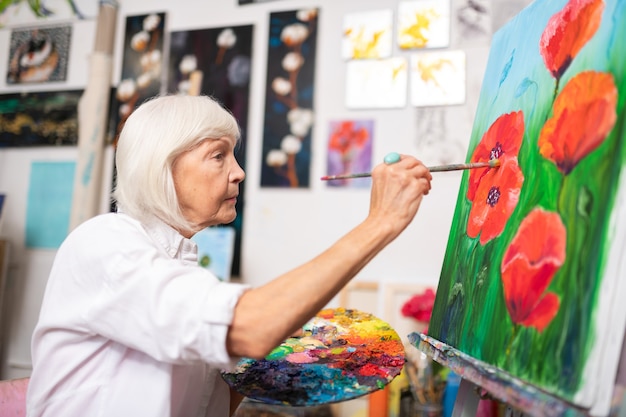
{"x":289,"y":112}
{"x":142,"y":67}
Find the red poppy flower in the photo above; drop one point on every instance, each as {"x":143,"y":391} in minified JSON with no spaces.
{"x":345,"y":137}
{"x":501,"y":141}
{"x":420,"y":307}
{"x":567,"y":32}
{"x":535,"y":254}
{"x":496,"y":198}
{"x":583,"y":115}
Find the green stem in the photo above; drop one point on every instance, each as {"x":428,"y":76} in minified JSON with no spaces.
{"x":512,"y":339}
{"x":556,"y":89}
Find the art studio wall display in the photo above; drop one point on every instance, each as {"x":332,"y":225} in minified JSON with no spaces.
{"x":39,"y":118}
{"x":349,"y":151}
{"x":39,"y":55}
{"x":217,"y":62}
{"x":367,"y":34}
{"x":289,"y":112}
{"x":437,"y":78}
{"x":377,"y":84}
{"x":423,"y":24}
{"x":24,"y":12}
{"x":142,"y":67}
{"x":532,"y":280}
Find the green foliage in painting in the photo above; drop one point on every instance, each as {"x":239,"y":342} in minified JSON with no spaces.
{"x":529,"y":242}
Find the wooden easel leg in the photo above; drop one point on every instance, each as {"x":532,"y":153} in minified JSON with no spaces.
{"x":467,"y":399}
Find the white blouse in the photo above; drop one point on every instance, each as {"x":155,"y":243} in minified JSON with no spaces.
{"x":130,"y":325}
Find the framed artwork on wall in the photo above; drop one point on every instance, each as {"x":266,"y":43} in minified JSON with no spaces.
{"x":39,"y":118}
{"x":289,"y":115}
{"x":39,"y":55}
{"x":349,"y":151}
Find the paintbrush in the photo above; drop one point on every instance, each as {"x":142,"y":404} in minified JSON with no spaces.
{"x":493,"y":163}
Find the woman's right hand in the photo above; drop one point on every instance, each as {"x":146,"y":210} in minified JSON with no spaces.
{"x":397,"y":191}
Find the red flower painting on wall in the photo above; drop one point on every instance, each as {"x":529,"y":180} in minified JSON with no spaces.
{"x":583,"y":115}
{"x":534,"y":255}
{"x":567,"y":32}
{"x":347,"y":139}
{"x":501,"y":141}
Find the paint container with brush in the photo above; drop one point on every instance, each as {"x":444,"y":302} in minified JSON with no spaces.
{"x":427,"y":381}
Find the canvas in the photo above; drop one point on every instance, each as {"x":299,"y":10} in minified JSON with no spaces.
{"x":437,"y":78}
{"x":215,"y":250}
{"x":423,"y":24}
{"x":377,"y":83}
{"x":532,"y":280}
{"x":45,"y":118}
{"x":367,"y":34}
{"x":142,"y":66}
{"x":350,"y":151}
{"x":39,"y":55}
{"x":49,"y":186}
{"x":289,"y":90}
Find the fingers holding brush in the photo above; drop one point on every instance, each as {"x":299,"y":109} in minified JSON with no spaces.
{"x":398,"y":186}
{"x":410,"y":166}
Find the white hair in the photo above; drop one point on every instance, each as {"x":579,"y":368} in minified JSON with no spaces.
{"x":153,"y":136}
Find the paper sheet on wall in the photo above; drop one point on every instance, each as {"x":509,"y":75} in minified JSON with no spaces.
{"x":215,"y":250}
{"x":49,"y":203}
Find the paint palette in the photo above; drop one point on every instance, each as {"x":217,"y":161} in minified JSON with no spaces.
{"x":342,"y":354}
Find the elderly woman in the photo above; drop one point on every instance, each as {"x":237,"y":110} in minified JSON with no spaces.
{"x":130,"y":325}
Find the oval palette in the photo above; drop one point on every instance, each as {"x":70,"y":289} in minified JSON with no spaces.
{"x":342,"y":354}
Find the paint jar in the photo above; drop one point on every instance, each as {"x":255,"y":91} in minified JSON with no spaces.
{"x":427,"y":410}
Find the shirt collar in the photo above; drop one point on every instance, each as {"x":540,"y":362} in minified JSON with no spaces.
{"x":176,"y":245}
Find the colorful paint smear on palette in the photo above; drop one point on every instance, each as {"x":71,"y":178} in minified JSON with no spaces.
{"x":342,"y":354}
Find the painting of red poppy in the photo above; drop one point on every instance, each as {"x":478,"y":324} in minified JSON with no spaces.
{"x":350,"y":151}
{"x":532,"y":281}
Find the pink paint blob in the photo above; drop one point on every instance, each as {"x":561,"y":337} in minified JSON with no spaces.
{"x":300,"y":357}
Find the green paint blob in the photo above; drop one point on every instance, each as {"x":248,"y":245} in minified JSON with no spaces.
{"x":279,"y":353}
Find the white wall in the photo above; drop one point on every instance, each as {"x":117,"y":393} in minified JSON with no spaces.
{"x":282,"y":227}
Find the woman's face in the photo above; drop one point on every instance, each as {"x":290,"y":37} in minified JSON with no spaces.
{"x":207,"y":181}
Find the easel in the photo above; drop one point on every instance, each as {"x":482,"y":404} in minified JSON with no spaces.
{"x":477,"y":375}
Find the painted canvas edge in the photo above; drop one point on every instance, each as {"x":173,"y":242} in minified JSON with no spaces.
{"x":606,"y":352}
